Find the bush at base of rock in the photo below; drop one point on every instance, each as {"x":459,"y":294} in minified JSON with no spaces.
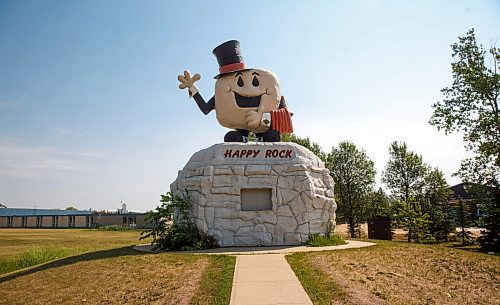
{"x":318,"y":240}
{"x":180,"y":234}
{"x":184,"y":236}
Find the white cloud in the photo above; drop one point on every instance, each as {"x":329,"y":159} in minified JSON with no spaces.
{"x":21,"y":159}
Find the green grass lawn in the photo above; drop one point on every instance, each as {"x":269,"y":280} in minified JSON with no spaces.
{"x":399,"y":273}
{"x":14,"y":241}
{"x":100,"y":267}
{"x":20,"y":248}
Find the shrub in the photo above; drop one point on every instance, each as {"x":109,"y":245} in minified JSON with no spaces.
{"x":179,"y":234}
{"x":114,"y":228}
{"x":318,"y":240}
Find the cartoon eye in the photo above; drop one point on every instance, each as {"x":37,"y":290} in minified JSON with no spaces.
{"x":240,"y":81}
{"x":255,"y":81}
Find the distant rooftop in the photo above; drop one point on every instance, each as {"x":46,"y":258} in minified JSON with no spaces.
{"x":468,"y":190}
{"x":5,"y":212}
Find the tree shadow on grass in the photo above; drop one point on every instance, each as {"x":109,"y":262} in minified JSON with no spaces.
{"x":468,"y":248}
{"x":117,"y":252}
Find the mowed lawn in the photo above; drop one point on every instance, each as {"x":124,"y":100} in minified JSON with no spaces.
{"x":109,"y":271}
{"x":399,"y":273}
{"x":13,"y":242}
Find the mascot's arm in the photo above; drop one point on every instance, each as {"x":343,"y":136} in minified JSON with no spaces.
{"x":204,"y":107}
{"x":188,"y":82}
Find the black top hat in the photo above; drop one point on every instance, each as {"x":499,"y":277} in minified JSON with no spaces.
{"x":229,"y":58}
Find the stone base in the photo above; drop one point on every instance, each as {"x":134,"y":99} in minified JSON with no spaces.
{"x":301,"y":192}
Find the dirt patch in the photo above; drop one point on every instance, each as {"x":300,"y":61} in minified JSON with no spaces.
{"x":343,"y":230}
{"x":132,"y":279}
{"x":401,"y":273}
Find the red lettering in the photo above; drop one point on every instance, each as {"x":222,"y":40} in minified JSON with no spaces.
{"x":236,"y":154}
{"x":282,"y":154}
{"x":243,"y":153}
{"x":288,"y":153}
{"x":268,"y":153}
{"x":227,"y":153}
{"x":256,"y":152}
{"x":275,"y":153}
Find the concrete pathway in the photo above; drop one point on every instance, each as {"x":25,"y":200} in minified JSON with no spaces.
{"x":262,"y":274}
{"x":264,"y":250}
{"x":266,"y":279}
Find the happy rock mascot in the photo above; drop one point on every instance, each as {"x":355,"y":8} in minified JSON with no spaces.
{"x":247,"y":100}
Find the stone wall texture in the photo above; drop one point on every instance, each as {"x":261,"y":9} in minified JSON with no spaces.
{"x":302,"y":193}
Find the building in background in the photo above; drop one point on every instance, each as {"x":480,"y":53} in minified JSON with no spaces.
{"x":474,"y":196}
{"x":49,"y":218}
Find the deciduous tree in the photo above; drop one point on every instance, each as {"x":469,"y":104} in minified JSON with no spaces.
{"x":354,"y":176}
{"x":378,"y":204}
{"x":404,"y":176}
{"x":404,"y":173}
{"x":307,"y":143}
{"x":470,"y":106}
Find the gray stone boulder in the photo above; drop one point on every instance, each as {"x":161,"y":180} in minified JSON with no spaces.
{"x":258,"y":194}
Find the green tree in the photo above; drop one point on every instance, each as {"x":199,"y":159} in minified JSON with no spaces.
{"x":404,"y":176}
{"x":463,"y":221}
{"x":488,"y":199}
{"x":173,"y":228}
{"x":411,"y":217}
{"x":307,"y":143}
{"x":71,"y":209}
{"x":2,"y":206}
{"x":354,"y":176}
{"x":378,"y":204}
{"x":404,"y":173}
{"x":436,"y":196}
{"x":470,"y":106}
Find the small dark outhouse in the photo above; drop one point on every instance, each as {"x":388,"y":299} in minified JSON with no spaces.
{"x":380,"y":228}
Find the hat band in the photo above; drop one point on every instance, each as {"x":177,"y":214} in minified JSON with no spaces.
{"x":232,"y":67}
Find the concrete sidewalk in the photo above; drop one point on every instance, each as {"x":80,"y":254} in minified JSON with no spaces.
{"x":263,"y":250}
{"x":266,"y":279}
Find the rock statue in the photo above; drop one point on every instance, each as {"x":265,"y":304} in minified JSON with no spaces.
{"x":246,"y":100}
{"x":257,"y":193}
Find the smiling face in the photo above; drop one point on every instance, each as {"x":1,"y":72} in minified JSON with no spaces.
{"x":238,"y":92}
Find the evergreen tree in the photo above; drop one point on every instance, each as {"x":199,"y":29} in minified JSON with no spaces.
{"x":490,"y":237}
{"x":410,"y":216}
{"x":436,"y":198}
{"x":463,"y":221}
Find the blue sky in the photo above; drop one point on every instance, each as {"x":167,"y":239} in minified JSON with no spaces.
{"x":91,"y":113}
